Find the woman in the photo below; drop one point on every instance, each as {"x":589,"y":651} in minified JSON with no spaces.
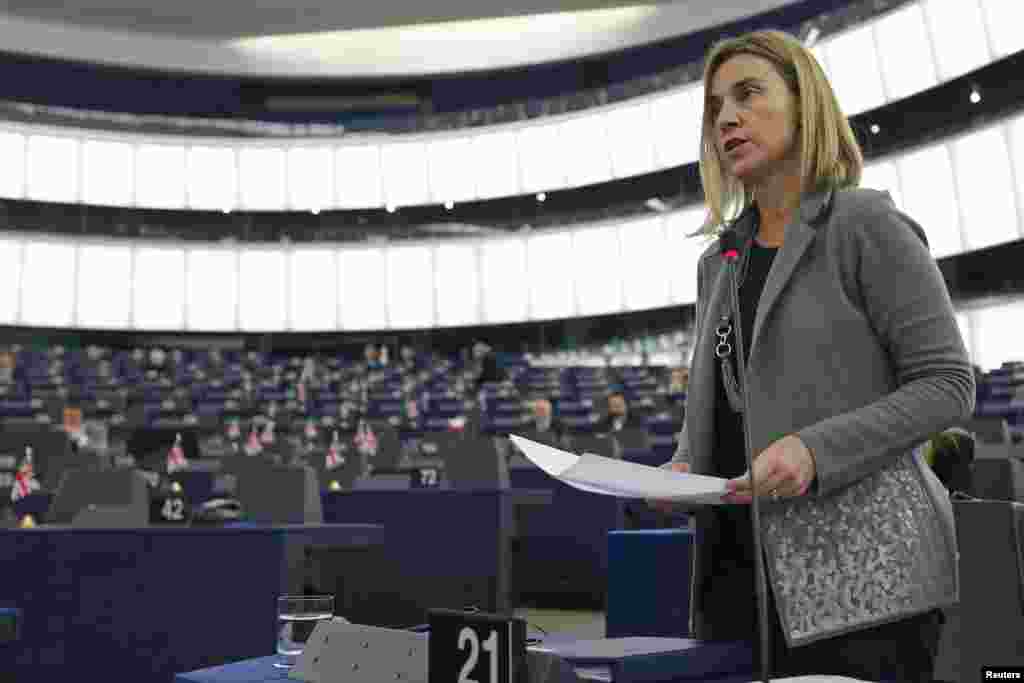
{"x":853,"y":359}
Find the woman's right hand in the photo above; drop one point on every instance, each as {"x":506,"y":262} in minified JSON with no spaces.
{"x":667,"y":507}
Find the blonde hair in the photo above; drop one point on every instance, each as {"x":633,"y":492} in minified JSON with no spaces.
{"x":830,"y":154}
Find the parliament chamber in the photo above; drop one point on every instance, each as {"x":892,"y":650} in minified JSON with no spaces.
{"x":278,"y":286}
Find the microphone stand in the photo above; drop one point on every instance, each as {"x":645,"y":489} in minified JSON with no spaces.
{"x":760,"y":583}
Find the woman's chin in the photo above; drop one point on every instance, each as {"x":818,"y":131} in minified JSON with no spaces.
{"x":746,"y":173}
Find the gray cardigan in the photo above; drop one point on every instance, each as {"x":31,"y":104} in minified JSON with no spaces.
{"x":856,"y":350}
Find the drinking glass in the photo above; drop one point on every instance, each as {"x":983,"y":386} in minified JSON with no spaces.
{"x":297,"y":616}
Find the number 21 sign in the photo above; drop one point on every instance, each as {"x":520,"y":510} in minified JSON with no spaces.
{"x":475,"y":647}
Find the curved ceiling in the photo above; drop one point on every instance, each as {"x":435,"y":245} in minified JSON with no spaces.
{"x":316,"y":38}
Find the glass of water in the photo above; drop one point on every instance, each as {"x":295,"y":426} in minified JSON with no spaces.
{"x":297,"y":616}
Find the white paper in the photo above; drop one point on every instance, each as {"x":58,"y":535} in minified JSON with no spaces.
{"x":622,"y":479}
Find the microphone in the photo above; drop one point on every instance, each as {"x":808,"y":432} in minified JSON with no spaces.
{"x":729,"y":243}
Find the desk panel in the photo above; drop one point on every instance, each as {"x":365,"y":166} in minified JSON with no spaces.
{"x":562,"y":557}
{"x":445,"y":548}
{"x":147,"y":603}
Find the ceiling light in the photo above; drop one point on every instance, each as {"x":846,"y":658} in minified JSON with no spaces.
{"x":875,"y":129}
{"x":975,"y":95}
{"x":812,"y":36}
{"x":457,"y":229}
{"x":541,"y":196}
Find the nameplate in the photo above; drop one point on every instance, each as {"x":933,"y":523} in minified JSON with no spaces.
{"x":426,"y":478}
{"x":168,"y":508}
{"x":475,"y":647}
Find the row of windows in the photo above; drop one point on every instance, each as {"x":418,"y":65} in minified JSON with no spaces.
{"x":898,"y":54}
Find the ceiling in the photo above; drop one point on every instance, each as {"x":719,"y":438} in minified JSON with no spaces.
{"x":229,"y":19}
{"x":320,"y":38}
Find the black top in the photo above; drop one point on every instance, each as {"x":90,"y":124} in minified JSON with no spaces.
{"x":731,"y":592}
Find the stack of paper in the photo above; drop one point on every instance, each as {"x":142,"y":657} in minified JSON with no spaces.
{"x":610,"y":477}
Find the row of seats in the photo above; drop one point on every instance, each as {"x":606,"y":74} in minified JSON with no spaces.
{"x":1000,"y":394}
{"x":295,"y":388}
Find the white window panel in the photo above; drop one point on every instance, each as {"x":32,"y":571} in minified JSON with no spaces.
{"x":645,"y":263}
{"x":991,"y":327}
{"x":452,"y":170}
{"x":675,"y":125}
{"x":958,"y":31}
{"x":584,"y":146}
{"x":630,"y":140}
{"x":10,"y":280}
{"x":212,"y":289}
{"x":549,"y":259}
{"x":908,"y":65}
{"x":48,"y":285}
{"x":364,"y":289}
{"x":212,"y":178}
{"x":1002,"y":18}
{"x":104,"y":286}
{"x":457,"y":284}
{"x":963,"y":323}
{"x":12,"y":173}
{"x":497,"y":152}
{"x":882,"y":175}
{"x":404,"y":166}
{"x":262,"y":289}
{"x":986,"y":198}
{"x":503,"y":280}
{"x":357,"y":174}
{"x":684,"y":253}
{"x":314,"y":290}
{"x":855,"y":74}
{"x":52,"y":169}
{"x":160,"y":176}
{"x":929,"y":197}
{"x":410,"y":287}
{"x":262,"y":175}
{"x":158,"y":292}
{"x":1015,"y":129}
{"x":598,"y":272}
{"x":540,"y":168}
{"x":311,"y":178}
{"x":108,"y":173}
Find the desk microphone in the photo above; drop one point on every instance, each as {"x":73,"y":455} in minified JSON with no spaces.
{"x":729,"y":243}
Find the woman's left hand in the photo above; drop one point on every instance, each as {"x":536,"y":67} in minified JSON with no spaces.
{"x":783,"y":470}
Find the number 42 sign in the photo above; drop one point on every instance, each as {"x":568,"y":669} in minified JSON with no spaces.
{"x":475,"y":647}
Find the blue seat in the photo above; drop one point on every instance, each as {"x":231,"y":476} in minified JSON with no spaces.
{"x":649,"y":583}
{"x":436,"y":423}
{"x":581,"y":424}
{"x":993,"y":407}
{"x":662,"y":440}
{"x":643,"y":456}
{"x":16,"y":409}
{"x":568,"y":408}
{"x":504,"y":424}
{"x":210,"y":409}
{"x":272,"y":395}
